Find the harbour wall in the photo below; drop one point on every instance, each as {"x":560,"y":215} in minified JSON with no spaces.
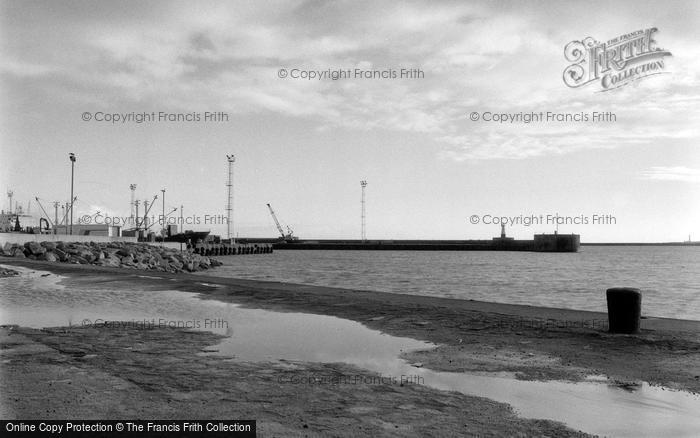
{"x":540,"y":243}
{"x":220,"y":249}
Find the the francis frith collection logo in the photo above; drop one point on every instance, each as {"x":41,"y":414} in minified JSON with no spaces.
{"x":616,"y":62}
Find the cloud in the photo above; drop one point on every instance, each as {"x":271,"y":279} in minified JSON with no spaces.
{"x":25,"y":69}
{"x":475,"y":57}
{"x":678,"y":173}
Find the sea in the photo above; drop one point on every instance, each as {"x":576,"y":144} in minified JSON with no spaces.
{"x":668,"y":276}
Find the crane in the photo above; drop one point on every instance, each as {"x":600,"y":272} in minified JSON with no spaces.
{"x":144,"y":219}
{"x":290,"y":234}
{"x":42,"y":209}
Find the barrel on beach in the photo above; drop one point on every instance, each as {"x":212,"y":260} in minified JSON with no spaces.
{"x":624,"y":309}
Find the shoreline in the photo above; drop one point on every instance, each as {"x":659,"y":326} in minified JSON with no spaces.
{"x":536,"y":342}
{"x":648,"y":322}
{"x":531,"y":343}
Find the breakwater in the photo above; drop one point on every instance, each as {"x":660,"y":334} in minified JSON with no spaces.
{"x":220,"y":249}
{"x":539,"y":243}
{"x":113,"y":254}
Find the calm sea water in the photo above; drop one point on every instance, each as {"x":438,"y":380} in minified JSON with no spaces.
{"x":669,"y":277}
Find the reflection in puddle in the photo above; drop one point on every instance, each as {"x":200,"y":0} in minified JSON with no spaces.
{"x":589,"y":406}
{"x":258,"y":335}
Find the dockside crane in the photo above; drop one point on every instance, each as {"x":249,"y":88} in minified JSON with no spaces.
{"x":48,"y":218}
{"x":290,"y":234}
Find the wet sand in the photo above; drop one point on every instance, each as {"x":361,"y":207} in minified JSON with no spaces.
{"x":534,"y":343}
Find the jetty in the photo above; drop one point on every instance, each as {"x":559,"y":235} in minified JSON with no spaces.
{"x":539,"y":243}
{"x":220,"y":249}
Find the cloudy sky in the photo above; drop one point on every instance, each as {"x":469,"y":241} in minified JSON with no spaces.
{"x":304,"y":145}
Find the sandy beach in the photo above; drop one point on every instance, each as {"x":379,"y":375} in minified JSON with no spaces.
{"x":91,"y":372}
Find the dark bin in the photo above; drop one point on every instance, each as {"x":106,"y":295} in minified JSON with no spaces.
{"x":624,"y":309}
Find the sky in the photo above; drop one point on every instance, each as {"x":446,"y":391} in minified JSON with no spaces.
{"x":303,"y":145}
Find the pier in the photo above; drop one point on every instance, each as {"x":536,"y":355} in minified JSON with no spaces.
{"x":221,"y":249}
{"x":540,"y":243}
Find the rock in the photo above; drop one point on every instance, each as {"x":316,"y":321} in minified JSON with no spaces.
{"x":8,"y":272}
{"x":110,"y":261}
{"x":35,"y":248}
{"x":158,"y":258}
{"x":49,"y":256}
{"x":62,"y":255}
{"x":110,"y":252}
{"x":114,"y":254}
{"x":87,"y":255}
{"x":48,"y":245}
{"x":154,"y":263}
{"x":77,"y":259}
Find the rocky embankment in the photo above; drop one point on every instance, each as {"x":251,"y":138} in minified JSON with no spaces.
{"x":116,"y":254}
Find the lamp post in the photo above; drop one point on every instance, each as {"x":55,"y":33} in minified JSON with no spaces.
{"x":162,"y":238}
{"x":181,"y":226}
{"x":363,"y":184}
{"x":72,"y":172}
{"x":229,"y":206}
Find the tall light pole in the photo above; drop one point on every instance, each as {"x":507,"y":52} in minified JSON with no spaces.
{"x":162,"y":238}
{"x":72,"y":172}
{"x":136,"y":218}
{"x":132,"y":187}
{"x":145,"y":215}
{"x":363,"y":183}
{"x":182,"y":224}
{"x":229,"y":206}
{"x":55,"y":220}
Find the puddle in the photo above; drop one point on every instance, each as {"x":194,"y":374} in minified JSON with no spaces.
{"x":261,"y":335}
{"x":594,"y":406}
{"x":35,"y":300}
{"x":215,"y":286}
